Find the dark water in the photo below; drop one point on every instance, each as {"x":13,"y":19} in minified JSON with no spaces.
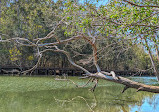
{"x":46,"y":95}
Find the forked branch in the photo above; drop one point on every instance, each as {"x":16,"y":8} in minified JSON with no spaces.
{"x":113,"y":77}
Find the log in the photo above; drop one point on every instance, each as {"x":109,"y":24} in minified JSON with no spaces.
{"x":128,"y":83}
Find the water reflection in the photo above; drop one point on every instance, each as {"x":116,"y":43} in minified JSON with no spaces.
{"x":145,"y":80}
{"x":149,"y":104}
{"x":106,"y":98}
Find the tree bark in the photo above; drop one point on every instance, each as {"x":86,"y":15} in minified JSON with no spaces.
{"x":157,"y":52}
{"x":152,"y":60}
{"x":153,"y":65}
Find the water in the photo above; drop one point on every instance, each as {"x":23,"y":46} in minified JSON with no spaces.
{"x":44,"y":94}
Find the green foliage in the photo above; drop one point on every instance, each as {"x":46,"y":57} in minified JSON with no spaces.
{"x":14,"y":54}
{"x":117,"y":23}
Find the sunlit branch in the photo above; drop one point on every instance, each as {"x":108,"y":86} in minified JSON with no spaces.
{"x":51,"y":34}
{"x":61,"y":41}
{"x":17,"y":39}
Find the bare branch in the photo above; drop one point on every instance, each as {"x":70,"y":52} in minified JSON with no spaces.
{"x":51,"y":34}
{"x":61,"y":42}
{"x":95,"y":85}
{"x":68,"y":56}
{"x":34,"y":67}
{"x":127,"y":82}
{"x":125,"y":88}
{"x":140,"y":5}
{"x":86,"y":83}
{"x":17,"y":39}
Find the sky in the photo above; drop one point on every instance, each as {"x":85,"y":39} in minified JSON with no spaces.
{"x":101,"y":2}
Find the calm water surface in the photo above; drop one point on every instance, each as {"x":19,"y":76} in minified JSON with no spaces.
{"x":44,"y":94}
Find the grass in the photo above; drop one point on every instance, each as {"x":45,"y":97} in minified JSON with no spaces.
{"x":23,"y":84}
{"x":37,"y":94}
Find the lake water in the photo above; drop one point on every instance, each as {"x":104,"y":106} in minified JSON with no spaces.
{"x":44,"y":94}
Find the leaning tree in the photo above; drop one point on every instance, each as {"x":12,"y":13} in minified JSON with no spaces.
{"x":87,"y":22}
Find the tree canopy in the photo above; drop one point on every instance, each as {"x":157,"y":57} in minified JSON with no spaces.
{"x":118,"y":35}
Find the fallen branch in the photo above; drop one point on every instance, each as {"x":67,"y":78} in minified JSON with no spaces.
{"x":114,"y":78}
{"x":128,"y":83}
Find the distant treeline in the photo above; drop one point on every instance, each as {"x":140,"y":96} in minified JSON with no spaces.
{"x":11,"y":70}
{"x":35,"y":18}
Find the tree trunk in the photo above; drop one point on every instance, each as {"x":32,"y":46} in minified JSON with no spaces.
{"x":157,"y":52}
{"x":152,"y":60}
{"x":153,"y":65}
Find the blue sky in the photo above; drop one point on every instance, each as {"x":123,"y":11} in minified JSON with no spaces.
{"x":101,"y":2}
